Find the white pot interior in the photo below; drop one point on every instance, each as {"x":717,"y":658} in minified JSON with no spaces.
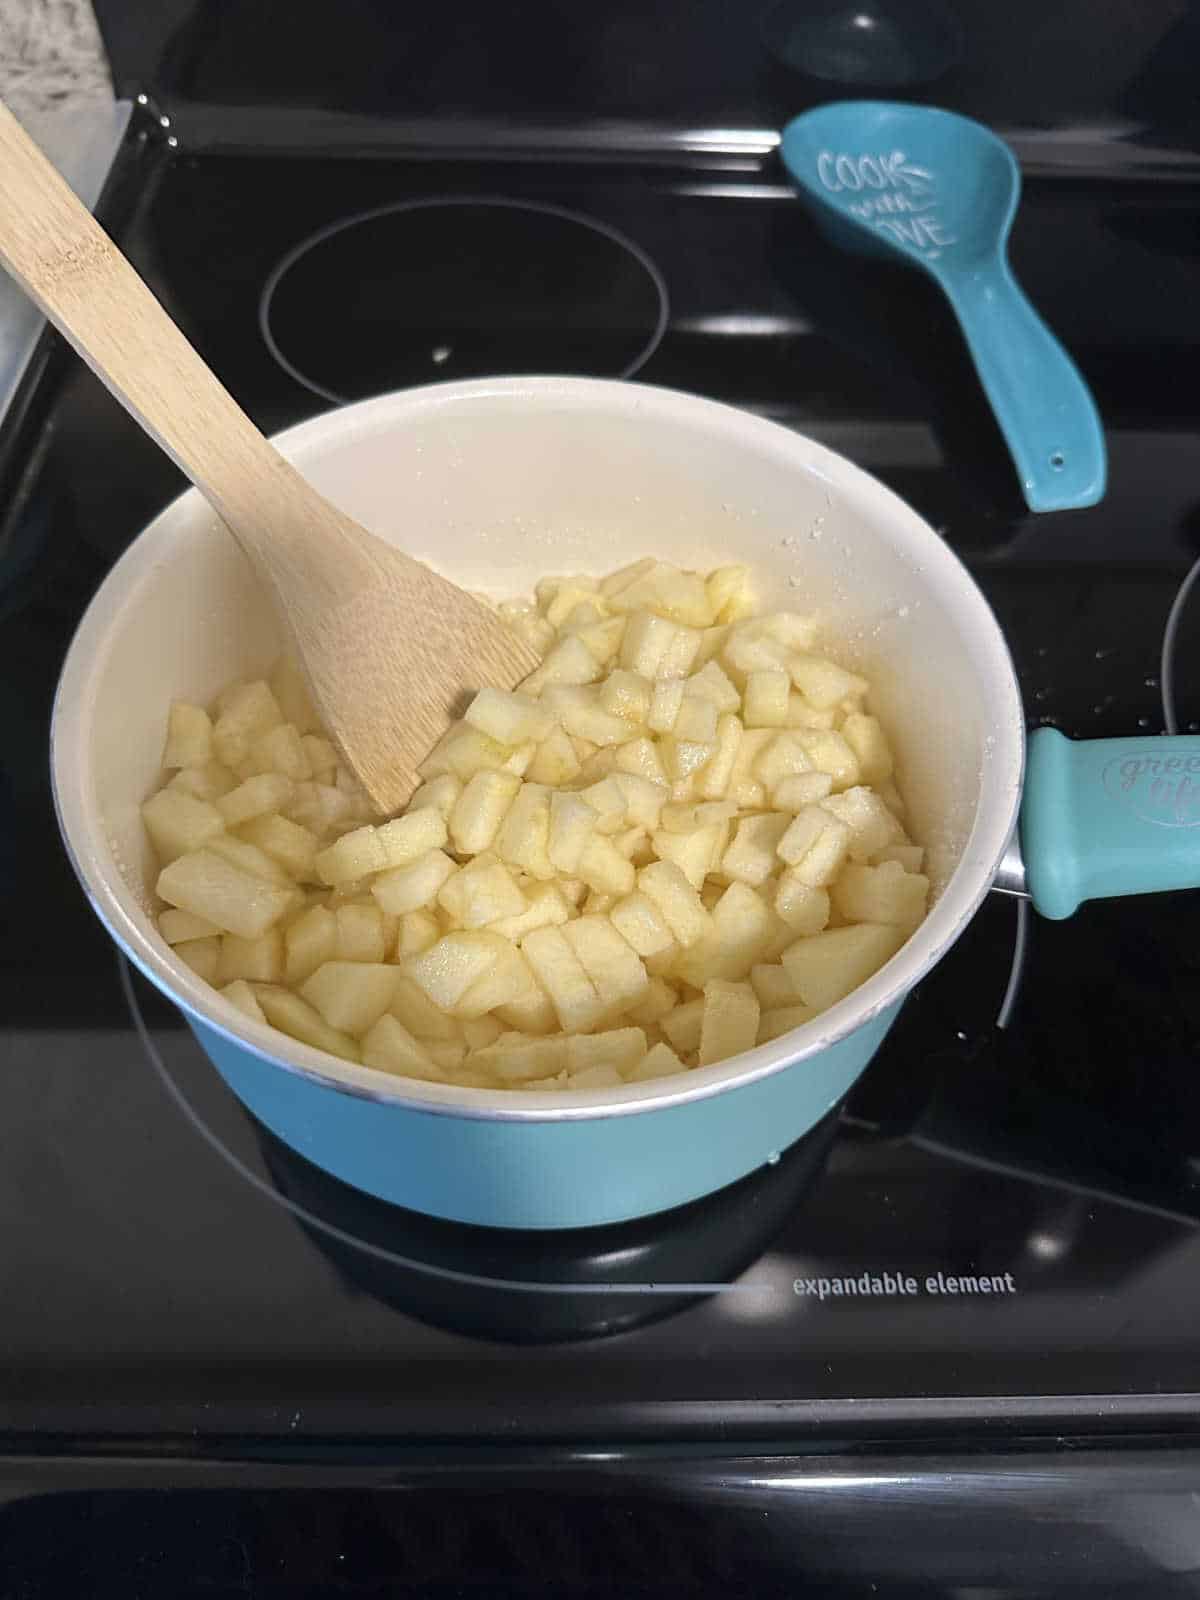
{"x":498,"y":484}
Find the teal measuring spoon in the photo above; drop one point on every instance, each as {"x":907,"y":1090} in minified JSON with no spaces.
{"x":940,"y":192}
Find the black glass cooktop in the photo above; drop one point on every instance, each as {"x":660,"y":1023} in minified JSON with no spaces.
{"x":999,"y":1228}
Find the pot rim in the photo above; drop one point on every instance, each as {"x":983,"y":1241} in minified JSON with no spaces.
{"x":960,"y":898}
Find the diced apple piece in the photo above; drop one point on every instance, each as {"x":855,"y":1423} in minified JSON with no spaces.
{"x":801,"y":789}
{"x":772,"y":986}
{"x":624,"y":576}
{"x":248,"y":858}
{"x":178,"y":926}
{"x":744,"y":787}
{"x":602,"y":1077}
{"x":413,"y":1007}
{"x":802,"y":907}
{"x":765,"y":703}
{"x":869,"y":742}
{"x":189,"y":736}
{"x":282,"y":751}
{"x":178,"y":822}
{"x":320,"y":807}
{"x":692,"y":853}
{"x":480,"y":810}
{"x":607,"y":800}
{"x":208,"y":782}
{"x":742,"y":926}
{"x":405,"y":838}
{"x":782,"y":757}
{"x":648,"y":638}
{"x":729,"y":593}
{"x":545,"y":907}
{"x":288,"y":844}
{"x":256,"y":960}
{"x":351,"y":996}
{"x":872,"y":826}
{"x":626,"y":694}
{"x":830,"y":753}
{"x":711,"y":684}
{"x":508,"y":982}
{"x":448,"y":969}
{"x":389,"y":1047}
{"x":554,"y":762}
{"x":682,"y":1026}
{"x":713,"y":779}
{"x":619,"y":1048}
{"x":802,"y":715}
{"x":240,"y":994}
{"x":659,"y":1062}
{"x":640,"y":758}
{"x":355,"y":855}
{"x":782,"y":1019}
{"x":524,"y":834}
{"x":481,"y":893}
{"x":634,"y":845}
{"x":644,"y":798}
{"x":479,"y":1032}
{"x":270,"y":791}
{"x":532,"y":1012}
{"x":827,"y":966}
{"x":749,"y":648}
{"x":885,"y":893}
{"x":236,"y":902}
{"x":665,"y":704}
{"x":249,"y":712}
{"x":321,"y":757}
{"x":712,"y":642}
{"x":682,"y":596}
{"x":293,"y":1015}
{"x":570,"y":661}
{"x":823,"y":683}
{"x":665,"y":884}
{"x":696,"y":720}
{"x":603,"y":868}
{"x":411,"y":887}
{"x":729,"y":1021}
{"x":683,"y":757}
{"x":309,"y":942}
{"x":471,"y":752}
{"x":603,"y":638}
{"x":561,"y":974}
{"x":439,"y":794}
{"x":203,"y":956}
{"x":679,"y":657}
{"x":641,"y":924}
{"x":509,"y":718}
{"x":360,"y":933}
{"x":519,"y":1060}
{"x":659,"y":999}
{"x":910,"y":856}
{"x":416,"y":932}
{"x":583,"y":717}
{"x":892,"y":798}
{"x":751,"y":858}
{"x":815,"y":846}
{"x":612,"y":964}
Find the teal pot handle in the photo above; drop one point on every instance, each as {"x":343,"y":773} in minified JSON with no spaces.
{"x":1105,"y":817}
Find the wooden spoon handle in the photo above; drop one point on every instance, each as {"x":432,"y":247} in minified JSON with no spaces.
{"x":53,"y":247}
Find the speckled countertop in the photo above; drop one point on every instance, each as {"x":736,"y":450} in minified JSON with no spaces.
{"x":54,"y":77}
{"x":51,"y":57}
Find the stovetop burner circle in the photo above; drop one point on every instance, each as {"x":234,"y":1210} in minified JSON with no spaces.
{"x":461,"y":287}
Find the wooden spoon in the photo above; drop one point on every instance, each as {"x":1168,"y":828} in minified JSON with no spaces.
{"x":388,"y":646}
